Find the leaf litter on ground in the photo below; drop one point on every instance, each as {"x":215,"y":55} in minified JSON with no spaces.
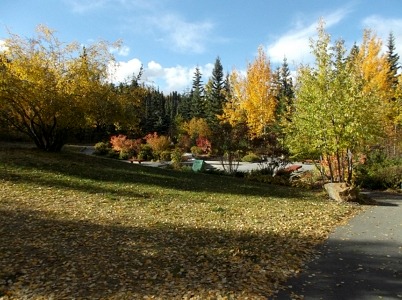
{"x":74,"y":226}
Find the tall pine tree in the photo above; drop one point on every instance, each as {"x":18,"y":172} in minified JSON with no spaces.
{"x":215,"y":95}
{"x":286,"y":93}
{"x":283,"y":114}
{"x":394,"y":136}
{"x":197,"y":96}
{"x":393,"y":61}
{"x":184,"y":107}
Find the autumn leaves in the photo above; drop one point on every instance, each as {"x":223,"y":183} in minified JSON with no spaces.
{"x":253,"y":98}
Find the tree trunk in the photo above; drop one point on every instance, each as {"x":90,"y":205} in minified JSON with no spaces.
{"x":331,"y":170}
{"x":47,"y":137}
{"x":350,"y":165}
{"x":339,"y":168}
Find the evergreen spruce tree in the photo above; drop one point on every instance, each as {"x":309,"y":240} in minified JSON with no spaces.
{"x":172,"y":103}
{"x":197,"y":96}
{"x":283,"y":114}
{"x":155,"y":118}
{"x":215,"y":96}
{"x":184,"y":106}
{"x":285,"y":92}
{"x":393,"y":61}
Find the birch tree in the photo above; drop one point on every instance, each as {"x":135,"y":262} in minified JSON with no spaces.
{"x":334,"y":101}
{"x":46,"y":86}
{"x":253,"y":97}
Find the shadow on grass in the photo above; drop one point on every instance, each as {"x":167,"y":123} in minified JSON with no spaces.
{"x":41,"y":256}
{"x":112,"y":171}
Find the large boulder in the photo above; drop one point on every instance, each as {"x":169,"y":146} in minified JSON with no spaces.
{"x":342,"y":192}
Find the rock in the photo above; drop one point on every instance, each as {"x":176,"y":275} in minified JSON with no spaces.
{"x":342,"y":192}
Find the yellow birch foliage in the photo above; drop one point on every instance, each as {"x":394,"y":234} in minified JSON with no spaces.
{"x":398,"y":97}
{"x":373,"y":66}
{"x":197,"y":127}
{"x":47,"y":88}
{"x":253,"y":96}
{"x":36,"y":83}
{"x":371,"y":69}
{"x":232,"y":111}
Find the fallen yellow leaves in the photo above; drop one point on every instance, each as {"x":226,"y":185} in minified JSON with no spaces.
{"x":102,"y":238}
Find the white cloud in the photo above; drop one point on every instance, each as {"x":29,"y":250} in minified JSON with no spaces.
{"x":3,"y":46}
{"x":178,"y":78}
{"x":123,"y":71}
{"x":154,"y":69}
{"x":167,"y":79}
{"x":295,"y":44}
{"x":383,"y":27}
{"x":122,"y":51}
{"x":183,"y":36}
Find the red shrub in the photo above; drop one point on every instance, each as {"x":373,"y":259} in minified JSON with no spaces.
{"x":204,"y":144}
{"x":122,"y":143}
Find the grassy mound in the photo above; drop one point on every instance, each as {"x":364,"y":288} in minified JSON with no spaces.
{"x":77,"y":226}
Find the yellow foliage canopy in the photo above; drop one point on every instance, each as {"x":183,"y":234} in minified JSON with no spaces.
{"x":253,"y":96}
{"x":48,"y":87}
{"x":373,"y":66}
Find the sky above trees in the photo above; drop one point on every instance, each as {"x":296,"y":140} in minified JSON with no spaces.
{"x":171,"y":38}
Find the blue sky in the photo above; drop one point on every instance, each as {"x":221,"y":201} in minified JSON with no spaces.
{"x":171,"y":37}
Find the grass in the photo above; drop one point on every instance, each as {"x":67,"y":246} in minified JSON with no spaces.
{"x":77,"y":226}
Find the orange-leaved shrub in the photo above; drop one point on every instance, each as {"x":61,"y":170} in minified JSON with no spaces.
{"x":126,"y":147}
{"x":157,"y":143}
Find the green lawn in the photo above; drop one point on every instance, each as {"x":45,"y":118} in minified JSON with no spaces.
{"x":76,"y":226}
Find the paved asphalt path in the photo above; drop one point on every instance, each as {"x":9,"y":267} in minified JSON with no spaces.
{"x":361,"y":260}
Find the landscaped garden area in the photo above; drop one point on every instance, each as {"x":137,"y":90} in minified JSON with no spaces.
{"x":81,"y":226}
{"x":76,"y":226}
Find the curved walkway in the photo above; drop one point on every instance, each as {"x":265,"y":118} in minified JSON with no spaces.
{"x":361,"y":260}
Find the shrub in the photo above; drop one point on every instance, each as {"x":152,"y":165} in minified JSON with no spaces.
{"x":268,"y":172}
{"x":102,"y":148}
{"x":184,"y":142}
{"x":251,"y":157}
{"x":196,"y":150}
{"x":379,"y":177}
{"x":112,"y":154}
{"x":177,"y":155}
{"x":158,"y":143}
{"x":309,"y":179}
{"x":260,"y":176}
{"x":204,"y":144}
{"x":126,"y":154}
{"x":177,"y":158}
{"x":145,"y":153}
{"x":118,"y":142}
{"x":165,"y":155}
{"x":379,"y":172}
{"x":267,"y":168}
{"x":124,"y":146}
